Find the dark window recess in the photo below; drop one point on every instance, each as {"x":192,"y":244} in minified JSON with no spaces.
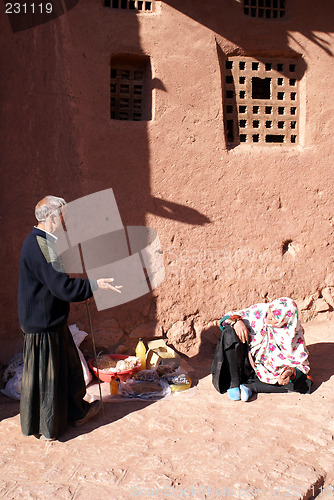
{"x":230,"y":130}
{"x":130,"y":96}
{"x":260,"y":98}
{"x":275,"y":138}
{"x":136,"y":5}
{"x":268,"y":9}
{"x":261,"y":88}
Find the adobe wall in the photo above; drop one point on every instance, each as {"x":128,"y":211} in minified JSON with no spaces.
{"x":237,"y":225}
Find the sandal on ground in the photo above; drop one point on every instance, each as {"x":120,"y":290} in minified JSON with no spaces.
{"x":234,"y":393}
{"x":245,"y":392}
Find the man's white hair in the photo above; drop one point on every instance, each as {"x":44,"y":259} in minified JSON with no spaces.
{"x":51,"y":205}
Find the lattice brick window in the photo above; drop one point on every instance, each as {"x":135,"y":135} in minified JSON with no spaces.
{"x":261,"y":101}
{"x":135,"y":5}
{"x":130,"y":97}
{"x":268,"y":9}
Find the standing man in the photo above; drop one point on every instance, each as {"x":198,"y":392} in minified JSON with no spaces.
{"x":53,"y":385}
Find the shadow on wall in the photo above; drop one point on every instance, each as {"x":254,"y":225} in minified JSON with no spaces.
{"x":90,"y":151}
{"x":299,"y":18}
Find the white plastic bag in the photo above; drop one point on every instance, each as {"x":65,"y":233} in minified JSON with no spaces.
{"x":78,"y":337}
{"x":13,"y":377}
{"x":140,"y":389}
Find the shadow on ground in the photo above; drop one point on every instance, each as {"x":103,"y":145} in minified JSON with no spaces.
{"x":322,"y":369}
{"x":8,"y":407}
{"x":321,"y":357}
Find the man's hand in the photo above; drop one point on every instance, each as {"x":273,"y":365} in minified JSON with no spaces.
{"x":104,"y":284}
{"x":284,"y":378}
{"x":241,"y":330}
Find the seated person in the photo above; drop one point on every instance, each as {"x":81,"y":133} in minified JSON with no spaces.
{"x":261,"y":349}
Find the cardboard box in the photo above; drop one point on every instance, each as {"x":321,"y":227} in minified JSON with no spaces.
{"x":161,"y":354}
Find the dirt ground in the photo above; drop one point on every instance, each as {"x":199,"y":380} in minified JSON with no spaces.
{"x":194,"y":444}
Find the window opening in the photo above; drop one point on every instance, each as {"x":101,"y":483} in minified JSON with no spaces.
{"x":275,"y":138}
{"x":261,"y":100}
{"x":130,"y":97}
{"x":135,"y":5}
{"x":230,"y":132}
{"x":261,"y":88}
{"x":266,"y":9}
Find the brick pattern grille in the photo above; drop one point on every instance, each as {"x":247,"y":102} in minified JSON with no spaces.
{"x":261,"y":101}
{"x":126,"y":93}
{"x":136,"y":5}
{"x":268,"y":9}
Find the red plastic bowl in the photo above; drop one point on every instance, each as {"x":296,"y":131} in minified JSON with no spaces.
{"x":106,"y":376}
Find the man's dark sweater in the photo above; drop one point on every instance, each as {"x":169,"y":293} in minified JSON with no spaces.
{"x":44,"y":292}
